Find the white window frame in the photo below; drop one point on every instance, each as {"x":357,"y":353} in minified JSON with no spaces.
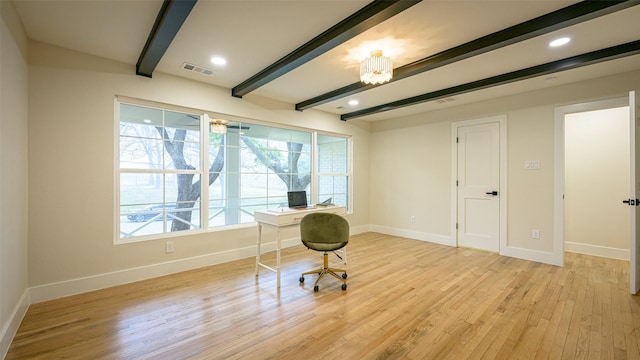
{"x":203,"y":169}
{"x":349,"y":173}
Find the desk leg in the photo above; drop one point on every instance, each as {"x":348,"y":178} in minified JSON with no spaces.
{"x":278,"y":246}
{"x":258,"y":242}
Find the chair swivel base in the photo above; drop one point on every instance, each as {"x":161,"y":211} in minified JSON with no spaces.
{"x":324,"y":271}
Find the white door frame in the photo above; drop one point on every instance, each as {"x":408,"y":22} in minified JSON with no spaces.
{"x":557,"y":256}
{"x":634,"y":248}
{"x":502,"y":191}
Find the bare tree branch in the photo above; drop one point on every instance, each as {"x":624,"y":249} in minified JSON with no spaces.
{"x":188,"y":191}
{"x":289,"y":175}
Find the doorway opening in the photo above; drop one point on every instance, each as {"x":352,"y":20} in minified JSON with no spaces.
{"x":596,"y":180}
{"x":592,"y":178}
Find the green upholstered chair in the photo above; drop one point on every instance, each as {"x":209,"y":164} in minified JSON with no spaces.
{"x":325,"y":232}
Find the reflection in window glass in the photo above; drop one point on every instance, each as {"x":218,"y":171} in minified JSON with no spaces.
{"x":261,"y":164}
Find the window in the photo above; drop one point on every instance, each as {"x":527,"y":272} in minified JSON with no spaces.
{"x":256,"y":166}
{"x":333,"y":171}
{"x":160,"y":171}
{"x":169,"y":162}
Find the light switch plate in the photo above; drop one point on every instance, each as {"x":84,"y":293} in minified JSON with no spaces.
{"x":532,"y":164}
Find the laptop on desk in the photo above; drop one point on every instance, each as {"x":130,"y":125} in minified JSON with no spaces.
{"x":298,"y":200}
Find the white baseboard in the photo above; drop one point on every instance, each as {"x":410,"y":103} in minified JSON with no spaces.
{"x":10,"y":328}
{"x":90,"y":283}
{"x":96,"y":282}
{"x":531,"y":255}
{"x":416,"y":235}
{"x":595,"y":250}
{"x":525,"y":254}
{"x":356,"y":230}
{"x":80,"y":285}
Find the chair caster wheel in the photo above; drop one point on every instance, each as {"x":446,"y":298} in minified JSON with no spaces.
{"x":301,"y":279}
{"x":344,"y":276}
{"x":316,"y":288}
{"x":344,"y":287}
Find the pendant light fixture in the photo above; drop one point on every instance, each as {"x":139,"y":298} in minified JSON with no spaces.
{"x":376,"y":69}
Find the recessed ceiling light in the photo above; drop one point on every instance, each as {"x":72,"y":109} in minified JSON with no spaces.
{"x":559,"y":42}
{"x":218,"y":60}
{"x":353,"y":102}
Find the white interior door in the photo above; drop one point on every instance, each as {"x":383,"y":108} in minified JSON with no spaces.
{"x":478,"y":205}
{"x":634,"y":264}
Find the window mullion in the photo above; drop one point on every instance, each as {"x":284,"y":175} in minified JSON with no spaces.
{"x":314,"y":168}
{"x":204,"y":174}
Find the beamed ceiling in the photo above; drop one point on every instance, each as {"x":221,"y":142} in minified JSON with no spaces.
{"x":307,"y":52}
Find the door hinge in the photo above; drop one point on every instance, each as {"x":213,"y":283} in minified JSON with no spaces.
{"x":456,"y":182}
{"x":457,"y":140}
{"x":456,"y":226}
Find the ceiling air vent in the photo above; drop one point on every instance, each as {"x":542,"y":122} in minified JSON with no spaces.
{"x":198,"y":69}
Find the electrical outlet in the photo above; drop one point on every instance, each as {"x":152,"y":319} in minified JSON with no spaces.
{"x":535,"y":234}
{"x":412,"y":219}
{"x":169,"y":247}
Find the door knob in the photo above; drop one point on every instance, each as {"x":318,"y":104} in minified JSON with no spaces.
{"x":494,"y":193}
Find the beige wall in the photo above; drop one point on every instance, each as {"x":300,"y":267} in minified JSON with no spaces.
{"x":71,"y":146}
{"x":410,"y":176}
{"x":597,"y":179}
{"x":13,"y":174}
{"x":418,"y":149}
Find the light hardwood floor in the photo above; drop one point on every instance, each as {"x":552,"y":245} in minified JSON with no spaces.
{"x":406,"y":299}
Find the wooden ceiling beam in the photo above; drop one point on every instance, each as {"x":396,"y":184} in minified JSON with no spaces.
{"x":594,"y":57}
{"x":567,"y":16}
{"x":171,"y":16}
{"x":369,"y":16}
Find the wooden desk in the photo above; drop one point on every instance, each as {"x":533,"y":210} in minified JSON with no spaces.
{"x":283,"y":218}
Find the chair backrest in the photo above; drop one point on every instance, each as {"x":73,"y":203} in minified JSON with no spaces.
{"x":324,"y":228}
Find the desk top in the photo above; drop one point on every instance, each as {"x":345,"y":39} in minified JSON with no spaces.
{"x":289,"y":216}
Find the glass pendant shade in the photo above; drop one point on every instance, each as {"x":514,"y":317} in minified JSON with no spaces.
{"x":376,"y":69}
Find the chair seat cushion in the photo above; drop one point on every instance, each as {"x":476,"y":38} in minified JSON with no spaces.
{"x":320,"y":246}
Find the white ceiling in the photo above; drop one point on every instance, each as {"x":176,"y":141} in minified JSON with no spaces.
{"x":252,"y":34}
